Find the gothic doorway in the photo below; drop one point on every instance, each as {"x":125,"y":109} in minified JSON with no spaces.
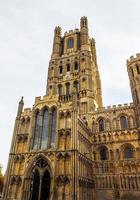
{"x":40,"y":181}
{"x":35,"y":185}
{"x":45,"y":189}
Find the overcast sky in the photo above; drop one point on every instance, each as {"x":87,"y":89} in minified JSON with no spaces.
{"x":26,"y":36}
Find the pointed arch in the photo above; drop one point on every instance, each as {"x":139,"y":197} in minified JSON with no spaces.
{"x":123,"y":122}
{"x":103,"y":153}
{"x":101,"y":124}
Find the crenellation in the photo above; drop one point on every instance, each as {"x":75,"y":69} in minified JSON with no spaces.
{"x":71,"y":32}
{"x":133,"y":59}
{"x":27,"y":110}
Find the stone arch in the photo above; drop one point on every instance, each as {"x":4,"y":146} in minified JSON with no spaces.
{"x":34,"y":160}
{"x":43,"y":109}
{"x":41,"y":164}
{"x":131,"y":149}
{"x":103,"y":152}
{"x":120,"y":117}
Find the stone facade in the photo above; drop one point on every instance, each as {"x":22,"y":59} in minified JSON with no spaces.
{"x":68,"y":146}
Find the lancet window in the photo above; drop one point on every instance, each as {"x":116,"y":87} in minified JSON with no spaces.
{"x":45,"y":129}
{"x":123,"y":122}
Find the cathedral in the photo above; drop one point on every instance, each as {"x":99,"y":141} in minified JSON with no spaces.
{"x":68,"y":146}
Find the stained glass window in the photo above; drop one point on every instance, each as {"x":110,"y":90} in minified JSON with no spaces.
{"x":44,"y":129}
{"x":70,"y":43}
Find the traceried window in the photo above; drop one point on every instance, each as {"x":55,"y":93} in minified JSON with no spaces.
{"x":53,"y":127}
{"x":45,"y":129}
{"x":70,"y":43}
{"x":101,"y":124}
{"x":123,"y":122}
{"x":36,"y":131}
{"x":128,"y":152}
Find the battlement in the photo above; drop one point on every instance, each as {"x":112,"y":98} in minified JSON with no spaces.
{"x":133,"y":59}
{"x":71,"y":32}
{"x":27,"y":110}
{"x":115,"y":107}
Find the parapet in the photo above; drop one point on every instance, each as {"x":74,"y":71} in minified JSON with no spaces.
{"x":133,"y":59}
{"x":71,"y":32}
{"x":115,"y":107}
{"x":27,"y":111}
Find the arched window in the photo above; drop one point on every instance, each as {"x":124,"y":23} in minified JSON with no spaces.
{"x":123,"y":122}
{"x":60,"y":69}
{"x":53,"y":127}
{"x":45,"y":129}
{"x":70,"y":43}
{"x":76,"y":66}
{"x":76,"y":85}
{"x":36,"y":131}
{"x":68,"y":67}
{"x":104,"y":153}
{"x":67,"y":89}
{"x":60,"y":90}
{"x":128,"y":152}
{"x":101,"y":124}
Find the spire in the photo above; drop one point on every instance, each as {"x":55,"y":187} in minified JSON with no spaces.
{"x":20,"y":107}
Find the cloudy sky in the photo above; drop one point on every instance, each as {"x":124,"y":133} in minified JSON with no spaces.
{"x":26,"y":35}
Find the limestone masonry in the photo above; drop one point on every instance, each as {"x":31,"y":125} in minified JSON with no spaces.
{"x":68,"y":146}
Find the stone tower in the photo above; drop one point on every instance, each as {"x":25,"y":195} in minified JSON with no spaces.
{"x":68,"y":146}
{"x":73,"y":64}
{"x":133,"y":68}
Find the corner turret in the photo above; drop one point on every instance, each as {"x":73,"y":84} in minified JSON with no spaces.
{"x":133,"y":68}
{"x":20,"y":107}
{"x":84,"y":39}
{"x":57,"y":42}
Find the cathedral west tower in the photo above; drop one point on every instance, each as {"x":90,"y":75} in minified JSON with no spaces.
{"x":68,"y":146}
